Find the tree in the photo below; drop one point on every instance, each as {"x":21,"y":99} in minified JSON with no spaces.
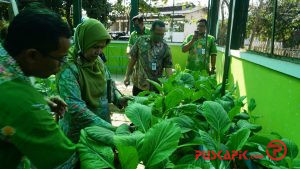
{"x":287,"y":23}
{"x":259,"y":24}
{"x":97,"y":9}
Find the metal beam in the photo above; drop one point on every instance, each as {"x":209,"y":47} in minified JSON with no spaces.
{"x":228,"y":44}
{"x":14,"y":7}
{"x":77,"y":6}
{"x":4,"y":1}
{"x":239,"y":24}
{"x":134,"y":11}
{"x":214,"y":14}
{"x":274,"y":25}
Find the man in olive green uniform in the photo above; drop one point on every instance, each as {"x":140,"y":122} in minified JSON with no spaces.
{"x":200,"y":50}
{"x":150,"y":55}
{"x":37,"y":42}
{"x":140,"y":30}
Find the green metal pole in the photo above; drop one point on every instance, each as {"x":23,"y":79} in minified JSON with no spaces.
{"x":239,"y":24}
{"x":214,"y":13}
{"x":77,"y":6}
{"x":208,"y":18}
{"x":228,"y":44}
{"x":273,"y":25}
{"x":206,"y":58}
{"x":134,"y":11}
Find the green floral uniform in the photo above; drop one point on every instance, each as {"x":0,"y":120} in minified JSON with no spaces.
{"x":83,"y":84}
{"x":26,"y":126}
{"x":151,"y":61}
{"x":199,"y":56}
{"x":134,"y":36}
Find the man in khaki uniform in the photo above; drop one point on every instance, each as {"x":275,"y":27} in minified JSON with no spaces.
{"x":150,"y":55}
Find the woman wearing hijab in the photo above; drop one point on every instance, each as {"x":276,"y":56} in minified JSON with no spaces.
{"x":82,"y":83}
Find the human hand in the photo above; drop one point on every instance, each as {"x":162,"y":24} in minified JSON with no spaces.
{"x":123,"y":101}
{"x":57,"y":105}
{"x":126,"y":81}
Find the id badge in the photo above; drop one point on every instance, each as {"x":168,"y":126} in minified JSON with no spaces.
{"x":203,"y":51}
{"x":199,"y":51}
{"x":153,"y":65}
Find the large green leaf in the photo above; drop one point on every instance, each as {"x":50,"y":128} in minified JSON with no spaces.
{"x":159,"y":143}
{"x":234,"y":111}
{"x":197,"y":95}
{"x":292,"y":149}
{"x":246,"y":124}
{"x":123,"y":129}
{"x":216,"y":117}
{"x":296,"y":164}
{"x":128,"y":149}
{"x":189,"y":162}
{"x":242,"y":116}
{"x":93,"y":154}
{"x":100,"y":134}
{"x":195,"y":142}
{"x":128,"y":157}
{"x":261,"y":139}
{"x":186,"y":124}
{"x":238,"y":139}
{"x":225,"y":104}
{"x":208,"y":141}
{"x":140,"y":99}
{"x":135,"y":140}
{"x":157,"y":85}
{"x":140,"y":116}
{"x":187,"y":109}
{"x":174,"y":98}
{"x":251,"y":105}
{"x":157,"y":108}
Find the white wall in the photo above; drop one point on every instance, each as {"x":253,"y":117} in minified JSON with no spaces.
{"x":177,"y":36}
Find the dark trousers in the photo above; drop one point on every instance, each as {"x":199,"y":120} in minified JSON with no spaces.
{"x":136,"y":91}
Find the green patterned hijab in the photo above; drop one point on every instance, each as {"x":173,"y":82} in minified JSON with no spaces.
{"x":91,"y":73}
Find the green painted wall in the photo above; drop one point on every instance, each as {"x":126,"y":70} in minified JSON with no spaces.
{"x":117,"y":58}
{"x":277,"y":95}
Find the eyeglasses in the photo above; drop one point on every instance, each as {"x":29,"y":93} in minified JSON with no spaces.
{"x":60,"y":60}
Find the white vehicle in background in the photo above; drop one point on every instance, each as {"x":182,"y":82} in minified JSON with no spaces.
{"x":13,"y":6}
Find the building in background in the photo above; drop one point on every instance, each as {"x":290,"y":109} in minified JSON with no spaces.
{"x":184,"y":19}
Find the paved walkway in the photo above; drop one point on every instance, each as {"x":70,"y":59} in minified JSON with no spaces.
{"x":117,"y":118}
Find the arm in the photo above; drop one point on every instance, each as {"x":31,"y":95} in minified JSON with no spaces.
{"x":35,"y":133}
{"x":188,"y":43}
{"x":69,"y":90}
{"x":213,"y":61}
{"x":130,"y":44}
{"x":169,"y":71}
{"x":132,"y":61}
{"x":213,"y":54}
{"x":167,"y":62}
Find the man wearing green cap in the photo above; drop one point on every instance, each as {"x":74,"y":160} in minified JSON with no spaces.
{"x":140,"y":30}
{"x":200,"y":49}
{"x":150,"y":55}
